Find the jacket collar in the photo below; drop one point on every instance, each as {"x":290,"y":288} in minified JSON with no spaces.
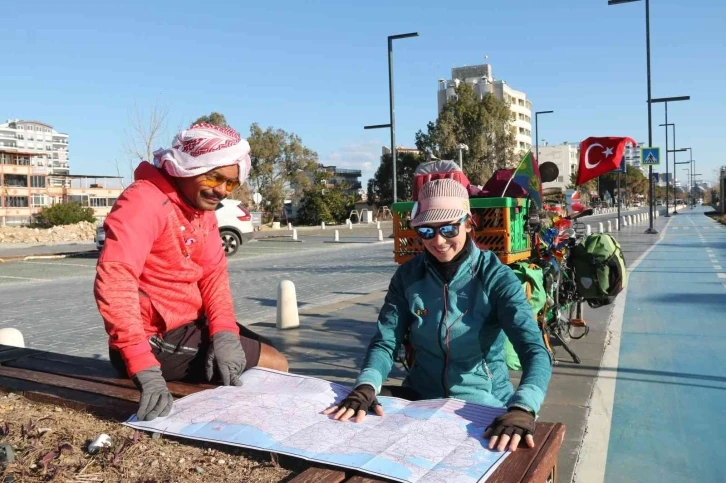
{"x":148,"y":172}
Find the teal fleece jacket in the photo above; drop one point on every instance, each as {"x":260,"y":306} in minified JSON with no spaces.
{"x":457,"y":331}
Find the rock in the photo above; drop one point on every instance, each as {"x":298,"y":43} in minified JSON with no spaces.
{"x":221,"y":462}
{"x":155,"y":463}
{"x":181,"y":461}
{"x":199,"y":469}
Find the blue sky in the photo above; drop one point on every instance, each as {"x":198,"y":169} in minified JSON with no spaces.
{"x":320,"y":70}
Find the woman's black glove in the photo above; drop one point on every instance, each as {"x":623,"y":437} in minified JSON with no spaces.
{"x":510,"y":428}
{"x":361,"y":400}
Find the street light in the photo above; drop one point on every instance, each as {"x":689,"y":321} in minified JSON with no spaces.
{"x":650,"y":126}
{"x":461,"y":147}
{"x":674,"y":151}
{"x":666,"y":100}
{"x":536,"y":131}
{"x":391,"y":106}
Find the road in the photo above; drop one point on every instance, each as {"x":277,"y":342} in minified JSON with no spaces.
{"x":51,"y":301}
{"x":658,"y":403}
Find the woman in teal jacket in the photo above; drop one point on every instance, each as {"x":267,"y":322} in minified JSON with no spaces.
{"x":457,"y":303}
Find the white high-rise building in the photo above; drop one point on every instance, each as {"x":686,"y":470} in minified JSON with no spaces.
{"x":46,"y":147}
{"x":566,"y":156}
{"x":482,"y":81}
{"x":632,"y":157}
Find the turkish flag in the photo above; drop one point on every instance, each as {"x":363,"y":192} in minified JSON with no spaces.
{"x":599,"y":156}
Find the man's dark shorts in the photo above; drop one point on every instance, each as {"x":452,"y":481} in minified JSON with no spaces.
{"x":182,"y":352}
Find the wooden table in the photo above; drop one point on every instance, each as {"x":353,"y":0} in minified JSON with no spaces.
{"x":92,"y":385}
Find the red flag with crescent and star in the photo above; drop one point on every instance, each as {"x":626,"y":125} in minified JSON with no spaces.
{"x":599,"y":156}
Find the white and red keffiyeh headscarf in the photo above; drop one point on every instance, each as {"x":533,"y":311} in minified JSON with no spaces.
{"x":202,"y":148}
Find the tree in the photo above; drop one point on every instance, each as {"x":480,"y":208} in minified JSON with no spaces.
{"x":143,"y":136}
{"x":380,"y":187}
{"x":483,"y":124}
{"x":281,"y":166}
{"x":214,"y":118}
{"x":65,"y":214}
{"x":329,"y":205}
{"x":587,"y":187}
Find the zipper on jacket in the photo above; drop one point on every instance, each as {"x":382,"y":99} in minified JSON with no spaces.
{"x":488,"y":371}
{"x":444,"y":375}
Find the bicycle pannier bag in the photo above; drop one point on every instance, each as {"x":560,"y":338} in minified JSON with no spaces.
{"x":599,"y":267}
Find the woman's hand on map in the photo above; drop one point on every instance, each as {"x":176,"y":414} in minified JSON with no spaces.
{"x":509,"y":428}
{"x":155,"y":398}
{"x":361,"y":400}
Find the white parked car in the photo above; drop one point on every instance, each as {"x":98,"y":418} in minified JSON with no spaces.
{"x":235,"y":226}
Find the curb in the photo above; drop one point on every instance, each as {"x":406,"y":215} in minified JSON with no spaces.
{"x":44,"y":256}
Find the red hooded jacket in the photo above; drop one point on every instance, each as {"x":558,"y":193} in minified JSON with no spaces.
{"x":162,"y":266}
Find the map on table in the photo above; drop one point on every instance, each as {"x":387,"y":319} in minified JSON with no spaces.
{"x":424,"y":441}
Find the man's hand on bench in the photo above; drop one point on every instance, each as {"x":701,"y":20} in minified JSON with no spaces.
{"x":156,"y":400}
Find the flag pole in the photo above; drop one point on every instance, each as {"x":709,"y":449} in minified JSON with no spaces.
{"x":515,"y":172}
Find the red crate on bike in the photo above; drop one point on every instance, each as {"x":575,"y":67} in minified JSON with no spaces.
{"x":501,"y":226}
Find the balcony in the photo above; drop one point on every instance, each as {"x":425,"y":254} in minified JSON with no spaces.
{"x":349,"y":172}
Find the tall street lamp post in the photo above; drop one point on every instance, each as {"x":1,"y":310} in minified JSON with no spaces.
{"x":461,"y":147}
{"x":665,"y":101}
{"x":536,"y":132}
{"x":650,"y":126}
{"x":391,"y":106}
{"x":674,"y":151}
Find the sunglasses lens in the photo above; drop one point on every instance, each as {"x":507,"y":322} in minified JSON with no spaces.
{"x":449,"y":231}
{"x":425,"y":232}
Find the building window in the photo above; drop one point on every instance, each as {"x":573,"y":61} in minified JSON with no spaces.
{"x":16,"y":180}
{"x":39,"y":200}
{"x":82,"y":199}
{"x":37,"y":181}
{"x":98,"y":201}
{"x":16,"y":201}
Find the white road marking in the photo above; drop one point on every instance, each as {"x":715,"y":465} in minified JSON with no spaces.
{"x":62,"y":264}
{"x":26,"y":278}
{"x":721,"y":275}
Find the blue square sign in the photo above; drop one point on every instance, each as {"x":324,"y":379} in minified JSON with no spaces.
{"x":650,"y":156}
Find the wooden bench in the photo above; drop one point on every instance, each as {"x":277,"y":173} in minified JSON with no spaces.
{"x":92,"y":385}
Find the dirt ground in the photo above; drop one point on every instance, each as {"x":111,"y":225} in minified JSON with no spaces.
{"x":50,"y":443}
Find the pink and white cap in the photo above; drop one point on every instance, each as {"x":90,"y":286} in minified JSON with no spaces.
{"x":203,"y":147}
{"x":440,"y":201}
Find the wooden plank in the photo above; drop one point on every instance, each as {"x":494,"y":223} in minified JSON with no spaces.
{"x":319,"y":475}
{"x":70,"y":383}
{"x":516,"y":465}
{"x":546,"y":459}
{"x":14,"y":353}
{"x":364,"y":479}
{"x":101,"y":406}
{"x":92,"y":370}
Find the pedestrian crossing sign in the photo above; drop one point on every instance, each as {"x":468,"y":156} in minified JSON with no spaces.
{"x":650,"y":156}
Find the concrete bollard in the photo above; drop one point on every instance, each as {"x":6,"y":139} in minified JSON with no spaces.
{"x":380,"y":235}
{"x":610,"y":227}
{"x":287,"y":315}
{"x":617,"y":224}
{"x":322,"y":225}
{"x":11,"y":337}
{"x":602,"y":229}
{"x":378,"y":225}
{"x":630,"y":219}
{"x":289,"y":225}
{"x":350,"y":225}
{"x":337,"y":236}
{"x":294,"y":235}
{"x":625,"y":221}
{"x":588,"y":230}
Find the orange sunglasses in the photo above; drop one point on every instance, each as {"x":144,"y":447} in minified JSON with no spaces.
{"x":212,"y":180}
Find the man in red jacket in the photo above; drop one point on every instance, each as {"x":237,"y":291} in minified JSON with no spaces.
{"x":162,"y":286}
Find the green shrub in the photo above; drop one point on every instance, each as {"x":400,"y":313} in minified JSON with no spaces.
{"x":65,"y":214}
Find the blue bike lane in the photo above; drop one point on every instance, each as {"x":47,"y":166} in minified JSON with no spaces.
{"x":669,"y":408}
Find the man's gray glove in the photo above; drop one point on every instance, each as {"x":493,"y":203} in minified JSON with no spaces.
{"x":155,"y":397}
{"x":225,"y":351}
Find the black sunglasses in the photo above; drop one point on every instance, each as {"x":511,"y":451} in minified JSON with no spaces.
{"x":447,"y":231}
